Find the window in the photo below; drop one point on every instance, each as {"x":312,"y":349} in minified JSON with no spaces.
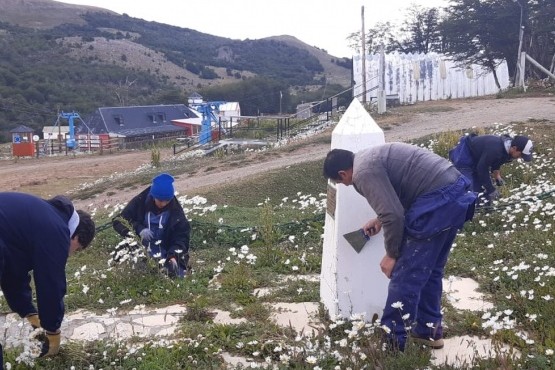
{"x":119,"y":119}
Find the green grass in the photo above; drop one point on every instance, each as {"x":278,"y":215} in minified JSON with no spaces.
{"x":516,"y":240}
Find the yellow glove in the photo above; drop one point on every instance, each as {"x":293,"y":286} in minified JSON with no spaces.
{"x":51,"y":344}
{"x":34,"y":320}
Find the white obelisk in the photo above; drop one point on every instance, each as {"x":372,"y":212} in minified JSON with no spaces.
{"x":352,"y":283}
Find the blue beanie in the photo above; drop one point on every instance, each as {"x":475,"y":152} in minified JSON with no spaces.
{"x":162,"y":187}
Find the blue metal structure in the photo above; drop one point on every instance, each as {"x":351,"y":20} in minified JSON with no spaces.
{"x":71,"y":143}
{"x":207,"y":110}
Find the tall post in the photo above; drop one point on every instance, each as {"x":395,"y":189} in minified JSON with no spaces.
{"x":350,"y":282}
{"x":519,"y":76}
{"x":381,"y":82}
{"x":363,"y":56}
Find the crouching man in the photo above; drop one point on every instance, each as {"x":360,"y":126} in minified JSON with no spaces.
{"x":39,"y":235}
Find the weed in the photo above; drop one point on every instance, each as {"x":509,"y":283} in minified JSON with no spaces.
{"x":155,"y":157}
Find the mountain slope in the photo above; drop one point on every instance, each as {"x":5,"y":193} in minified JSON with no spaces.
{"x":43,"y":14}
{"x":56,"y":56}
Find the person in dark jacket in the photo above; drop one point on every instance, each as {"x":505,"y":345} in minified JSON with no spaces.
{"x":421,"y":201}
{"x":480,"y":158}
{"x":159,"y":220}
{"x":38,"y":235}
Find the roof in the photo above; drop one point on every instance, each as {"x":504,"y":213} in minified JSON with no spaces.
{"x":189,"y":121}
{"x":195,"y":95}
{"x":137,"y":120}
{"x":21,"y":129}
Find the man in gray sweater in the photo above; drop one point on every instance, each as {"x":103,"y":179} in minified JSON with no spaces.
{"x":421,"y":201}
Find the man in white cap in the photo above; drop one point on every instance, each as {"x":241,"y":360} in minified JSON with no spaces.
{"x":480,"y":157}
{"x":158,"y":219}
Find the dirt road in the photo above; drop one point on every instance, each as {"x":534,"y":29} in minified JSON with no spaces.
{"x":59,"y":175}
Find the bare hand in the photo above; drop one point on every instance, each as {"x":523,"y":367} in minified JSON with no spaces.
{"x":372,"y":227}
{"x":387,"y":265}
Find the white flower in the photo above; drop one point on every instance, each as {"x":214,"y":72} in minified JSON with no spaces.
{"x":549,"y":352}
{"x":397,"y":304}
{"x":311,"y":360}
{"x":386,"y":329}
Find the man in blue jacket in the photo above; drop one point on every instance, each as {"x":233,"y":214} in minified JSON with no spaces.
{"x":159,"y":220}
{"x":38,"y":235}
{"x":421,"y":201}
{"x":480,"y":157}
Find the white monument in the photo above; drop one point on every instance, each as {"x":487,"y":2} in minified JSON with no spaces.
{"x":351,"y":282}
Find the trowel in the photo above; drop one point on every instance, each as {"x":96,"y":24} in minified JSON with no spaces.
{"x":357,"y":239}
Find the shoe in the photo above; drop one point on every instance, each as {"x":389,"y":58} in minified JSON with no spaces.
{"x":428,"y":342}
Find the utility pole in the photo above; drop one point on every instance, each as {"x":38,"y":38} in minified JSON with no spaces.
{"x":363,"y":47}
{"x":382,"y":102}
{"x":519,"y":75}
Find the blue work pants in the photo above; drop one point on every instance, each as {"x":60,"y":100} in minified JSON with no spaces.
{"x":431,"y":225}
{"x":416,"y":282}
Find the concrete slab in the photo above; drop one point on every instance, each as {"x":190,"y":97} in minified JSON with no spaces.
{"x":463,"y":294}
{"x":302,"y":317}
{"x":88,"y":332}
{"x":460,"y":352}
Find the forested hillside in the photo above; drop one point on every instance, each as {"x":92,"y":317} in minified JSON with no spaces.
{"x":105,"y":59}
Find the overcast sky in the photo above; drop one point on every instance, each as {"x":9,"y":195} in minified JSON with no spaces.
{"x":322,"y":23}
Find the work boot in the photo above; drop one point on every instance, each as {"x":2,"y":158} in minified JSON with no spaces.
{"x":428,"y":341}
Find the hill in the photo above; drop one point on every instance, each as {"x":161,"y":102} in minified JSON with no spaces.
{"x":56,"y":56}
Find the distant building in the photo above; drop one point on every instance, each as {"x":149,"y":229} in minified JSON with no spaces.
{"x":306,"y":110}
{"x":138,"y":122}
{"x":230,"y":112}
{"x":194,"y":98}
{"x":54,"y":132}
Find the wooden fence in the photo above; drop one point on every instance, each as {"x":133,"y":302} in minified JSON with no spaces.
{"x":420,"y":77}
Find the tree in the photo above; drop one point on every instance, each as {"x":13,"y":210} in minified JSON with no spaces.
{"x":482,"y":32}
{"x":539,"y":32}
{"x":381,"y":33}
{"x":421,"y":30}
{"x":418,"y":33}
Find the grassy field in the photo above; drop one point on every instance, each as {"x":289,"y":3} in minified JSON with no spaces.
{"x":254,"y":233}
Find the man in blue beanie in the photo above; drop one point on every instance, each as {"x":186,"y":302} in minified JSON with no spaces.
{"x":480,"y":157}
{"x":158,"y":219}
{"x":39,"y":235}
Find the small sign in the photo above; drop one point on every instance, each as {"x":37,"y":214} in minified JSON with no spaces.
{"x":330,"y":202}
